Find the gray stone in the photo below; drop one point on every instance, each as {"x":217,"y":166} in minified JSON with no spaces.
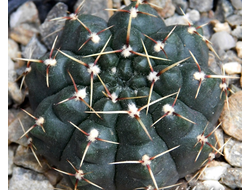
{"x":176,"y":19}
{"x":23,"y":179}
{"x":232,"y":178}
{"x":234,"y":20}
{"x":193,"y":16}
{"x":15,"y":130}
{"x":230,"y":56}
{"x":23,"y":33}
{"x":13,"y":49}
{"x":233,"y":153}
{"x":10,"y":159}
{"x":201,"y":7}
{"x":167,"y":10}
{"x":237,"y":4}
{"x":24,"y":14}
{"x":222,"y":41}
{"x":95,"y":7}
{"x":223,"y":10}
{"x":50,"y":29}
{"x":209,"y":185}
{"x":232,"y":118}
{"x":214,"y":171}
{"x":25,"y":158}
{"x":53,"y":176}
{"x":219,"y":136}
{"x":180,"y":3}
{"x":237,"y":32}
{"x":34,"y":49}
{"x":13,"y":89}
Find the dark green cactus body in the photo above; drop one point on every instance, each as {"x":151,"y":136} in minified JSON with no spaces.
{"x":126,"y":75}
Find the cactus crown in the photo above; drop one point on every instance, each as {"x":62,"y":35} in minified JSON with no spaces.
{"x":143,"y":94}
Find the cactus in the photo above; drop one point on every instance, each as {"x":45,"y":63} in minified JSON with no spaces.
{"x":126,"y":104}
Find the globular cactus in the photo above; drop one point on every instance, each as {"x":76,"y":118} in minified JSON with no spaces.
{"x":126,"y":104}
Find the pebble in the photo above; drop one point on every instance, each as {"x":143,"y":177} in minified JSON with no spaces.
{"x":234,"y":20}
{"x":24,"y":23}
{"x":34,"y":49}
{"x":10,"y":159}
{"x":219,"y":27}
{"x":201,"y":7}
{"x":23,"y":33}
{"x":230,"y":56}
{"x":232,"y":178}
{"x":13,"y":89}
{"x":237,"y":4}
{"x":219,"y":136}
{"x":167,"y":10}
{"x":25,"y":158}
{"x":238,"y":48}
{"x":24,"y":179}
{"x":222,"y":41}
{"x":214,"y":171}
{"x":26,"y":13}
{"x":48,"y":28}
{"x":209,"y":185}
{"x":159,"y":3}
{"x":191,"y":16}
{"x":15,"y":130}
{"x":232,"y":118}
{"x":13,"y":49}
{"x":95,"y":7}
{"x":237,"y":32}
{"x":233,"y":153}
{"x":232,"y":68}
{"x":53,"y":176}
{"x":223,"y":10}
{"x":180,"y":3}
{"x":213,"y":64}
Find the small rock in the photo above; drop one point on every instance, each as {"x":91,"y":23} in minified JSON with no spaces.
{"x":168,"y":9}
{"x":50,"y":29}
{"x":214,"y":171}
{"x":159,"y":3}
{"x":209,"y":185}
{"x":237,"y":4}
{"x":239,"y":48}
{"x":234,"y":20}
{"x":232,"y":118}
{"x":219,"y":136}
{"x":232,"y":68}
{"x":222,"y":41}
{"x":180,"y":3}
{"x":95,"y":7}
{"x":219,"y":27}
{"x":26,"y":13}
{"x":223,"y":10}
{"x":201,"y":7}
{"x":25,"y":158}
{"x":15,"y":130}
{"x":34,"y":49}
{"x":10,"y":159}
{"x":13,"y":89}
{"x":176,"y":19}
{"x":232,"y":178}
{"x":23,"y":33}
{"x":233,"y":153}
{"x":193,"y":16}
{"x":13,"y":49}
{"x":237,"y":32}
{"x":63,"y":184}
{"x":230,"y":56}
{"x":23,"y":179}
{"x":213,"y":64}
{"x":53,"y":176}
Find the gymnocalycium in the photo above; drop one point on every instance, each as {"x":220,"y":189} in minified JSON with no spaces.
{"x":125,"y":104}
